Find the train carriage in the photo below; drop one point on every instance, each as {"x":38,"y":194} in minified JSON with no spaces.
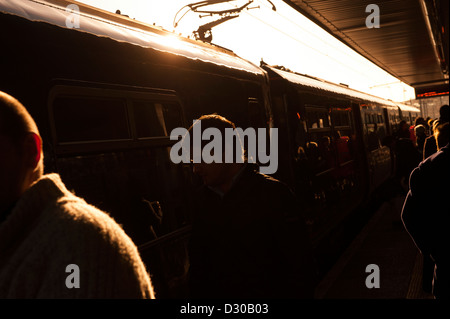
{"x":107,"y":93}
{"x":106,"y":96}
{"x":335,"y":137}
{"x":407,"y":113}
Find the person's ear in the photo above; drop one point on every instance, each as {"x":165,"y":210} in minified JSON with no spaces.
{"x":33,"y":149}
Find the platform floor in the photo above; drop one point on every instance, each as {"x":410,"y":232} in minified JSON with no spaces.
{"x":385,"y":243}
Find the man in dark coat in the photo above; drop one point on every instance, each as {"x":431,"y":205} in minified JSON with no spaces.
{"x":248,"y":238}
{"x":426,"y":215}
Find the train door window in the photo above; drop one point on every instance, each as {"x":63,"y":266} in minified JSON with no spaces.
{"x":256,"y":116}
{"x":316,"y":164}
{"x":342,"y":133}
{"x":116,"y":154}
{"x":342,"y":122}
{"x":155,"y":119}
{"x":341,"y":118}
{"x":318,"y":147}
{"x":317,"y":118}
{"x":375,"y":131}
{"x":83,"y":119}
{"x":381,"y":127}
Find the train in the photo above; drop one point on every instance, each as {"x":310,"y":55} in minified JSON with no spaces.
{"x":107,"y":93}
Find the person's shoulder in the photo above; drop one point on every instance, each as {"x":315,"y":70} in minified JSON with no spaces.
{"x":430,"y":140}
{"x":75,"y":213}
{"x":434,"y":166}
{"x":273,"y":186}
{"x":438,"y":158}
{"x":254,"y":174}
{"x":72,"y":217}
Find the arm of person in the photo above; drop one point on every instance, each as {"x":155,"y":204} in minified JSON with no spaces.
{"x":297,"y":263}
{"x":414,"y":211}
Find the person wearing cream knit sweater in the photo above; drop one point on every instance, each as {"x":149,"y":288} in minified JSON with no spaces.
{"x":52,"y":243}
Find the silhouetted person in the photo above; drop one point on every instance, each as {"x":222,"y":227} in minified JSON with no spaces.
{"x":420,"y":133}
{"x":407,"y":155}
{"x":373,"y":139}
{"x":430,"y":146}
{"x":426,"y":217}
{"x":412,"y":132}
{"x":44,"y":228}
{"x":249,"y":239}
{"x":317,"y":162}
{"x":403,"y":130}
{"x":442,"y":134}
{"x":326,"y":152}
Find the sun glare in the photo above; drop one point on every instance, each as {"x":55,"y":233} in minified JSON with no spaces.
{"x":281,"y":37}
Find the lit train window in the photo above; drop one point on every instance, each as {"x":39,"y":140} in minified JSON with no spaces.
{"x":156,"y":119}
{"x":80,"y":119}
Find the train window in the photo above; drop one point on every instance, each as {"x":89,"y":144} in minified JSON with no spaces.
{"x":380,"y":118}
{"x":340,"y":118}
{"x":82,"y":119}
{"x":156,"y":119}
{"x":341,"y":141}
{"x":375,"y":131}
{"x":318,"y":148}
{"x":317,"y":118}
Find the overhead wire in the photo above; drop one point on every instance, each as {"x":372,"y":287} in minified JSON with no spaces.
{"x":306,"y":44}
{"x":335,"y":48}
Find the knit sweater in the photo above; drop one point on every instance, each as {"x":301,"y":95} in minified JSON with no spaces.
{"x":50,"y":228}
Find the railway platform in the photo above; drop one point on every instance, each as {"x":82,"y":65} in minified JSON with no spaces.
{"x":383,"y":255}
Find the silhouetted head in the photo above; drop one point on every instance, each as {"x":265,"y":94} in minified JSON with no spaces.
{"x":444,"y":113}
{"x":215,"y":172}
{"x":21,"y":159}
{"x":403,"y":125}
{"x":419,"y":130}
{"x":441,"y":135}
{"x":419,"y":121}
{"x":403,"y":129}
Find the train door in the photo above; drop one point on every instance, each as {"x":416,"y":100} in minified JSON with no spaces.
{"x":378,"y":155}
{"x":111,"y":147}
{"x":387,"y":122}
{"x":326,"y":166}
{"x":256,"y":120}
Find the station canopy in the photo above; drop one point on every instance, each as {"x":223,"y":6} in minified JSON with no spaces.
{"x":411,"y":42}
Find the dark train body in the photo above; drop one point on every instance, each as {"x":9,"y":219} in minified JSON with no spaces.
{"x":106,"y":96}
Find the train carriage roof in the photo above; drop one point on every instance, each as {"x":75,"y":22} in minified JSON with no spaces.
{"x":120,"y":28}
{"x":323,"y":85}
{"x":407,"y":108}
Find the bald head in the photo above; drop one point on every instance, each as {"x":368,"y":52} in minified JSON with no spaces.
{"x":21,"y":160}
{"x":15,"y":121}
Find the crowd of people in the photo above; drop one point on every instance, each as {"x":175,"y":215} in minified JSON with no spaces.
{"x":249,"y":239}
{"x":425,"y":214}
{"x":415,"y":143}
